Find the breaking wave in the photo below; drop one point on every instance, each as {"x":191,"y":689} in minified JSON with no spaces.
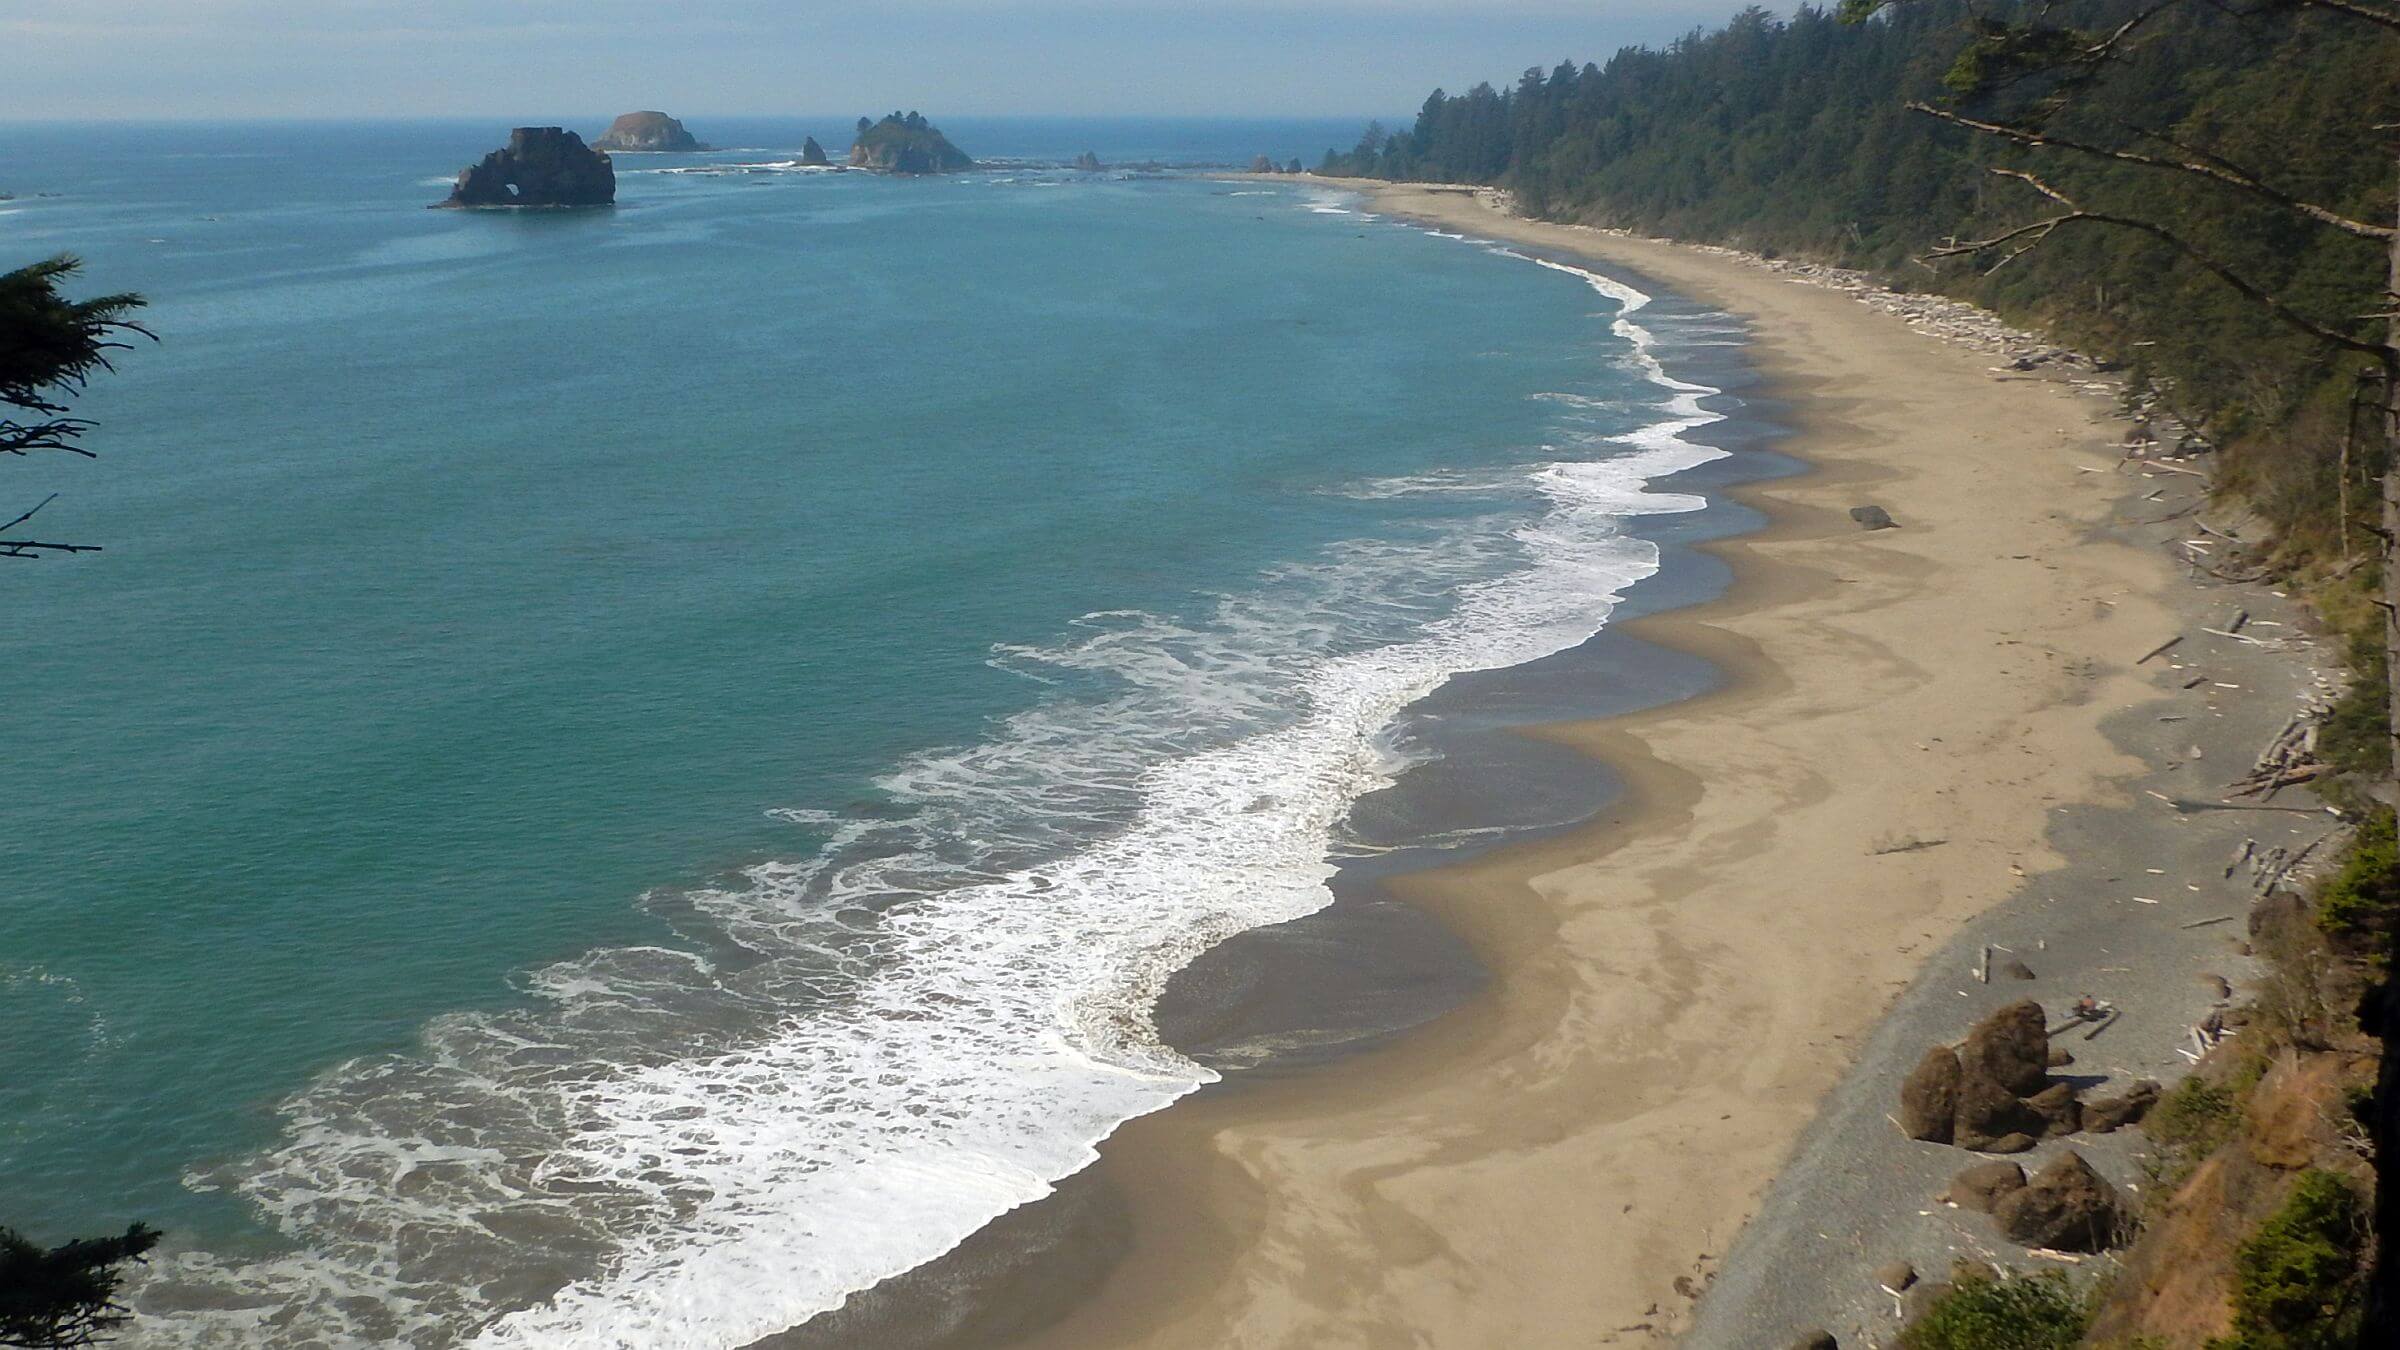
{"x":858,"y":1058}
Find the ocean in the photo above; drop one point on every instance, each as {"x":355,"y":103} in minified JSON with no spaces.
{"x":622,"y":776}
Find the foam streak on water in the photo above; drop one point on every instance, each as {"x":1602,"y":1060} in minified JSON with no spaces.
{"x":869,"y":1054}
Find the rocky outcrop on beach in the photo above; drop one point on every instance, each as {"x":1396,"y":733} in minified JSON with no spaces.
{"x":1984,"y":1185}
{"x":1994,"y":1093}
{"x":2065,"y":1207}
{"x":540,"y":166}
{"x":906,"y":144}
{"x":813,"y":154}
{"x":645,"y":132}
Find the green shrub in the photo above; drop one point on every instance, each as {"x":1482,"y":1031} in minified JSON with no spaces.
{"x":2363,"y":896}
{"x":2297,"y":1282}
{"x":2032,"y":1312}
{"x":2197,"y":1116}
{"x":2356,"y":736}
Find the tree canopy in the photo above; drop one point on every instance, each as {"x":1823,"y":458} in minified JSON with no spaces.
{"x":65,"y":1296}
{"x":50,"y":346}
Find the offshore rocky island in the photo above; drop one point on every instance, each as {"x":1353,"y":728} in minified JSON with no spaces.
{"x":905,"y":143}
{"x":551,"y":167}
{"x":648,"y":133}
{"x":539,"y":167}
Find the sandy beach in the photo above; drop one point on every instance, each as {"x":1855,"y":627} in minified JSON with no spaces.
{"x":1679,"y":985}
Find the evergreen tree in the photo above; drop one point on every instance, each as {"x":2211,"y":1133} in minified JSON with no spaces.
{"x":65,"y":1296}
{"x":49,"y":347}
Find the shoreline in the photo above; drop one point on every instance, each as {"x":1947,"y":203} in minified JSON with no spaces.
{"x":1678,"y":985}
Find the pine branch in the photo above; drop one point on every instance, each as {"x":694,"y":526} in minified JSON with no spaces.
{"x":19,"y":438}
{"x":2359,"y":9}
{"x":2201,"y":165}
{"x":2074,"y":213}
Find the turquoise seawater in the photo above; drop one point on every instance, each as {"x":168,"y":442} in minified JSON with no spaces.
{"x":623,"y":774}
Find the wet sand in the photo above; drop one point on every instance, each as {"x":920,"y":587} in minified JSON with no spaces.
{"x":1674,"y":988}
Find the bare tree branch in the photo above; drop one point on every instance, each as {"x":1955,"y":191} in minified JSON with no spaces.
{"x":17,"y":438}
{"x":2202,"y":165}
{"x":2074,"y":213}
{"x":2359,"y":9}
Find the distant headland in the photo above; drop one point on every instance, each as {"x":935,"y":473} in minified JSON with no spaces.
{"x":906,"y":144}
{"x":540,"y":166}
{"x":644,"y":132}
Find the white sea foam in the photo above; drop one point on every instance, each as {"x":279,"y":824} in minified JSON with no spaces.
{"x":932,"y":1018}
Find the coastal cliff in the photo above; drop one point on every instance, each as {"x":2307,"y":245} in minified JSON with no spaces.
{"x":644,"y":132}
{"x":906,"y":144}
{"x":540,"y":166}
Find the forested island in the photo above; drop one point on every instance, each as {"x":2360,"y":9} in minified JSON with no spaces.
{"x":906,"y":143}
{"x":645,"y":132}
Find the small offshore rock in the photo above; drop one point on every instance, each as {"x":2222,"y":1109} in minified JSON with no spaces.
{"x":812,"y":155}
{"x":1874,"y":518}
{"x":1897,"y":1276}
{"x":1980,"y":1187}
{"x":2065,"y":1207}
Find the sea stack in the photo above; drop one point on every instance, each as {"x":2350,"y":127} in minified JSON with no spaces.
{"x":906,"y":144}
{"x":540,"y":166}
{"x":645,"y":132}
{"x":813,"y":154}
{"x":1089,"y":162}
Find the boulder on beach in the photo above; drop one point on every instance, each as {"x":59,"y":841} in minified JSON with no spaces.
{"x":646,"y":131}
{"x":1994,"y":1094}
{"x":2057,"y":1109}
{"x":2011,"y":1048}
{"x":1980,"y":1187}
{"x":1896,"y":1276}
{"x":2110,"y":1114}
{"x":1992,"y":1119}
{"x":1816,"y":1340}
{"x":1874,"y":518}
{"x":540,"y":166}
{"x":2065,"y":1207}
{"x":2017,"y":970}
{"x":1929,"y":1097}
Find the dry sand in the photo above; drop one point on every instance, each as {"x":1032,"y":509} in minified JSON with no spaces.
{"x":1677,"y":986}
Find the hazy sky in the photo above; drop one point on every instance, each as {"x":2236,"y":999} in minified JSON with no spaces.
{"x":297,"y":58}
